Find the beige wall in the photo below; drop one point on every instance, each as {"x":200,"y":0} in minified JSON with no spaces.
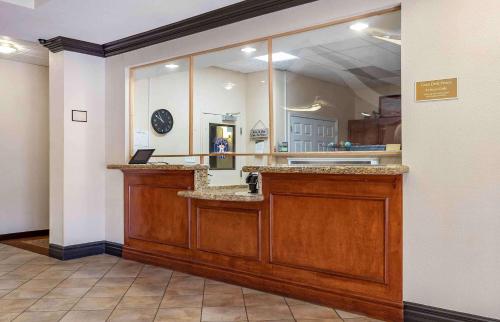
{"x":24,"y":146}
{"x":452,"y":193}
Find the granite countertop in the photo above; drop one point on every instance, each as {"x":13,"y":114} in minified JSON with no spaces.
{"x":390,"y":169}
{"x":158,"y":166}
{"x":223,"y":193}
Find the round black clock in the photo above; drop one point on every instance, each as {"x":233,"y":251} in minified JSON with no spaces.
{"x":162,"y":121}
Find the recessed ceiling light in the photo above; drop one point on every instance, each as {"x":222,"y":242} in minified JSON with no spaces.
{"x":248,"y":50}
{"x":7,"y":49}
{"x":171,"y":66}
{"x":359,"y":26}
{"x":279,"y":56}
{"x":229,"y":86}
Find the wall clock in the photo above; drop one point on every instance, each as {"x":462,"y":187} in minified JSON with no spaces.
{"x":162,"y":121}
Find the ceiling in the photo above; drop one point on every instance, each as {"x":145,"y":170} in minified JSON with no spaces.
{"x":27,"y":52}
{"x":97,"y":21}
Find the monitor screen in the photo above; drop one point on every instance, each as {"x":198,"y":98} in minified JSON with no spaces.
{"x":141,"y":156}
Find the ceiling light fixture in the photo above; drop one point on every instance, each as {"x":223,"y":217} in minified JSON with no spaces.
{"x":359,"y":26}
{"x":313,"y":108}
{"x":171,"y":66}
{"x":229,"y":86}
{"x":248,"y":50}
{"x":7,"y":49}
{"x":277,"y":57}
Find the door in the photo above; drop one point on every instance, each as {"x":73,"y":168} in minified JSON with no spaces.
{"x":312,"y":134}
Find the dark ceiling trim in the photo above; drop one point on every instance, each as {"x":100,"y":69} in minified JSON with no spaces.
{"x":230,"y":14}
{"x":62,"y":43}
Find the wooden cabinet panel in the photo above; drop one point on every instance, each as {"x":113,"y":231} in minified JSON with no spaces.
{"x":231,"y":232}
{"x":364,"y":132}
{"x":331,"y":234}
{"x":154,"y":213}
{"x":157,"y":214}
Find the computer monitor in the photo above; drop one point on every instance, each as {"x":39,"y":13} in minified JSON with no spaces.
{"x":141,"y":156}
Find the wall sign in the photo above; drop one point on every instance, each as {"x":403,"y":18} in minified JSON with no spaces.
{"x":78,"y":116}
{"x":439,"y":89}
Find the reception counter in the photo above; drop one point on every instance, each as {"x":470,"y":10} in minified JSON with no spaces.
{"x":325,"y":234}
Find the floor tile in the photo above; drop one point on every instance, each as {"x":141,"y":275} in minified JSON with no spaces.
{"x":63,"y":292}
{"x":96,"y":303}
{"x":178,"y":314}
{"x":48,"y":305}
{"x":222,"y":289}
{"x":225,"y":313}
{"x":223,"y":300}
{"x":107,"y":291}
{"x":26,"y":293}
{"x":311,"y":311}
{"x":7,"y":317}
{"x":86,"y":316}
{"x":115,"y":281}
{"x":10,"y":284}
{"x":141,"y":302}
{"x":135,"y":315}
{"x":40,"y":316}
{"x":171,"y":301}
{"x":146,"y":290}
{"x":78,"y":283}
{"x":272,"y":312}
{"x":13,"y":306}
{"x":263,"y":299}
{"x":41,"y":284}
{"x":348,"y":315}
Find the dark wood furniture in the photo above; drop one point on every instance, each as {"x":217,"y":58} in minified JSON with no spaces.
{"x":383,"y":130}
{"x":330,"y":239}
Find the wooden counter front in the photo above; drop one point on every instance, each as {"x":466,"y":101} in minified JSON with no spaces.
{"x":326,"y":238}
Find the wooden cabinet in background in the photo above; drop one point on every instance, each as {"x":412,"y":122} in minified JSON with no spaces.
{"x":383,"y":130}
{"x":364,"y":132}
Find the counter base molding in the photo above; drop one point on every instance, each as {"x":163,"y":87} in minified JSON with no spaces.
{"x":331,"y":239}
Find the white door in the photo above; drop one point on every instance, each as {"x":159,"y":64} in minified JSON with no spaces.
{"x":311,"y":134}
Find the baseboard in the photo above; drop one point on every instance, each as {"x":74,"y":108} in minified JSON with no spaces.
{"x":112,"y":248}
{"x":414,"y":312}
{"x":76,"y":251}
{"x":25,"y":234}
{"x":83,"y":250}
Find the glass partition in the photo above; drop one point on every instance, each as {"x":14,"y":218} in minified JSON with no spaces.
{"x":338,"y":87}
{"x":160,"y":107}
{"x":230,"y":87}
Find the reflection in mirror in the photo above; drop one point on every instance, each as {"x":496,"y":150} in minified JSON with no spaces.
{"x":160,"y":109}
{"x":231,"y":90}
{"x":338,"y":88}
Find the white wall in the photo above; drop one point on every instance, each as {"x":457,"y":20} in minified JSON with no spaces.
{"x":452,"y":193}
{"x":77,"y":149}
{"x":117,"y":70}
{"x":24,"y":146}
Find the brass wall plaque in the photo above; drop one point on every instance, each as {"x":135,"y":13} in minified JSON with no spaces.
{"x":440,"y":89}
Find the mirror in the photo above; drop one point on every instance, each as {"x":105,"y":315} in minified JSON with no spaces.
{"x":339,"y":84}
{"x":160,"y":107}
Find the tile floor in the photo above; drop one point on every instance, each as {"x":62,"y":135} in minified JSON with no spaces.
{"x":34,"y":287}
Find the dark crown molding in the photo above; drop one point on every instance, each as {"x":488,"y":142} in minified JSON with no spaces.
{"x":62,"y":43}
{"x":216,"y":18}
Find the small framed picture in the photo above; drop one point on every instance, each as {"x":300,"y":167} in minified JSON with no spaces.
{"x":78,"y":116}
